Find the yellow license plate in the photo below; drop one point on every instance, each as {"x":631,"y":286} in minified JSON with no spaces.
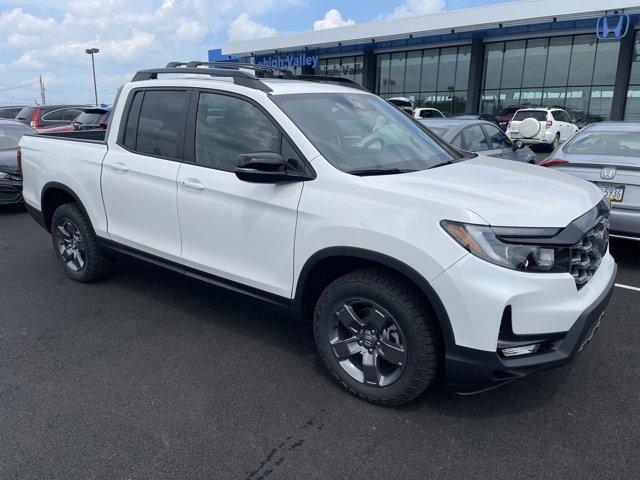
{"x":613,"y":192}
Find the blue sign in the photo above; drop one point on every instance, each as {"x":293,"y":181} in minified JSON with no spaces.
{"x":289,"y":60}
{"x":612,"y":26}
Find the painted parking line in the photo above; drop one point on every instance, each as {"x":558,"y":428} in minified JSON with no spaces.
{"x":628,"y":287}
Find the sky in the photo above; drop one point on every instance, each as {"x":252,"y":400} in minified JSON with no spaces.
{"x":48,"y":37}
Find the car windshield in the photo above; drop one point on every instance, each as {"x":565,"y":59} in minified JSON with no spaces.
{"x":10,"y":135}
{"x":363,"y":134}
{"x":539,"y":115}
{"x":624,"y":144}
{"x":88,"y":118}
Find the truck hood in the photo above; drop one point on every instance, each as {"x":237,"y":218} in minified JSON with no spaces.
{"x":502,"y":192}
{"x":8,"y":161}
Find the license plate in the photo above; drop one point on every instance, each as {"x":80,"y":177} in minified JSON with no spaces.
{"x":614,"y":192}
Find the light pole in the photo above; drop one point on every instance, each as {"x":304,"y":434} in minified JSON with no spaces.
{"x":92,"y":51}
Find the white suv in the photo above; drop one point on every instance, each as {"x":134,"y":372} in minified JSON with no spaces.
{"x":327,"y":202}
{"x":541,"y":126}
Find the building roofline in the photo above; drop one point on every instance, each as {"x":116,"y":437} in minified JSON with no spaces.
{"x":488,"y":16}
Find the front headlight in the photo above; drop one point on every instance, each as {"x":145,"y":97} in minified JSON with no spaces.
{"x":481,"y":241}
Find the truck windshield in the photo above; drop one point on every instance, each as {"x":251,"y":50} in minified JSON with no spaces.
{"x":363,"y":134}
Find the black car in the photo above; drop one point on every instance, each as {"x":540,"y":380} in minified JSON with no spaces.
{"x":9,"y":112}
{"x":10,"y":178}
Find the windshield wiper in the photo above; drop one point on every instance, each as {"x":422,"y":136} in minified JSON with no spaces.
{"x":380,"y":171}
{"x":448,"y":162}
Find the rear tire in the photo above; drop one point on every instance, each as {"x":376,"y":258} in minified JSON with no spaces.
{"x":555,"y":144}
{"x":376,"y":336}
{"x":76,"y":245}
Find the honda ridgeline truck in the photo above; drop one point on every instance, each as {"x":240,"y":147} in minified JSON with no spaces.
{"x":320,"y":198}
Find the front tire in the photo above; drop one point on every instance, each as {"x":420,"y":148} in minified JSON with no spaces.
{"x":376,"y":336}
{"x":76,"y":245}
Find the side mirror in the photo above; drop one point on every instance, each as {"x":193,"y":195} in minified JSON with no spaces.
{"x":518,"y":144}
{"x":266,"y":167}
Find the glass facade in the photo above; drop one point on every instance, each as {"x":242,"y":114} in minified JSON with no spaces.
{"x":632,"y":110}
{"x":435,"y":77}
{"x":575,"y":72}
{"x":346,"y":67}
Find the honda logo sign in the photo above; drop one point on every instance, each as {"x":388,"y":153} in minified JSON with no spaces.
{"x":612,"y":26}
{"x":607,"y":173}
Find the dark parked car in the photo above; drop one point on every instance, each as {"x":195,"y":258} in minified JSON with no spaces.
{"x":9,"y":112}
{"x":506,"y":115}
{"x":10,"y":178}
{"x":480,"y":137}
{"x":47,"y":116}
{"x":93,"y":118}
{"x":487,"y":117}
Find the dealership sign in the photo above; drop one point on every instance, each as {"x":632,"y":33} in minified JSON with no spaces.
{"x":292,"y":60}
{"x":612,"y":26}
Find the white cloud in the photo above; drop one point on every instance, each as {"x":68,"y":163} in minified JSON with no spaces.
{"x":409,"y":8}
{"x":48,"y":38}
{"x":332,"y":19}
{"x":243,"y":28}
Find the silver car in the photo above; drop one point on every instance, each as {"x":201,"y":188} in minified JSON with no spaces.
{"x":607,"y":154}
{"x":480,"y":136}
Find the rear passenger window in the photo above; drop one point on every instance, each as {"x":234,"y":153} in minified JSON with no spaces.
{"x":473,"y":139}
{"x":71,"y":114}
{"x":54,"y":116}
{"x":227,"y":127}
{"x":161,"y":124}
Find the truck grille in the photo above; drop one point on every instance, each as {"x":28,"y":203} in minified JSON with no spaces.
{"x":587,"y":254}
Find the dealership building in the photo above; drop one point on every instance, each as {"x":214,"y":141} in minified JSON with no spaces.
{"x":583,"y":55}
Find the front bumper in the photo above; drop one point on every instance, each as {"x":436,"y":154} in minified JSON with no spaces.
{"x":470,"y":370}
{"x":10,"y":191}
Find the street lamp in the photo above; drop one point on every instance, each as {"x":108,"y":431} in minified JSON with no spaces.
{"x":92,"y":51}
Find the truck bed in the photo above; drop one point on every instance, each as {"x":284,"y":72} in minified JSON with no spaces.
{"x":71,"y":159}
{"x":79,"y":136}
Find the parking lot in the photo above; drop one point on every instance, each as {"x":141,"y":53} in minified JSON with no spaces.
{"x":150,"y":375}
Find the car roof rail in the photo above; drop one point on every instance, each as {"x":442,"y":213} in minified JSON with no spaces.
{"x":264,"y":71}
{"x":237,"y":71}
{"x":344,"y":82}
{"x":239,"y":77}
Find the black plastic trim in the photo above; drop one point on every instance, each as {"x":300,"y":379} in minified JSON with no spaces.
{"x":239,"y":78}
{"x":283,"y":304}
{"x":566,"y":237}
{"x":36,"y":215}
{"x":392,"y":263}
{"x":59,"y":186}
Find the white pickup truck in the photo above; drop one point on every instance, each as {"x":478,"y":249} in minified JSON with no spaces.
{"x":322,"y":199}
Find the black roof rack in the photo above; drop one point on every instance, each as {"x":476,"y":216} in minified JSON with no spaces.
{"x":237,"y":72}
{"x":239,"y":77}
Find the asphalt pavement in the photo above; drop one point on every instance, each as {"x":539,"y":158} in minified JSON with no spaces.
{"x":149,"y":375}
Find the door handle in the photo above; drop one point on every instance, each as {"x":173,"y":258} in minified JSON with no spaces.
{"x":193,"y":184}
{"x":121,"y":167}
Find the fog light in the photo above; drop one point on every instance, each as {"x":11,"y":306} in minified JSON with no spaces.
{"x":521,"y":350}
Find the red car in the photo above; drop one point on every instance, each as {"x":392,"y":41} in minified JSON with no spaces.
{"x":506,"y":115}
{"x":41,"y":117}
